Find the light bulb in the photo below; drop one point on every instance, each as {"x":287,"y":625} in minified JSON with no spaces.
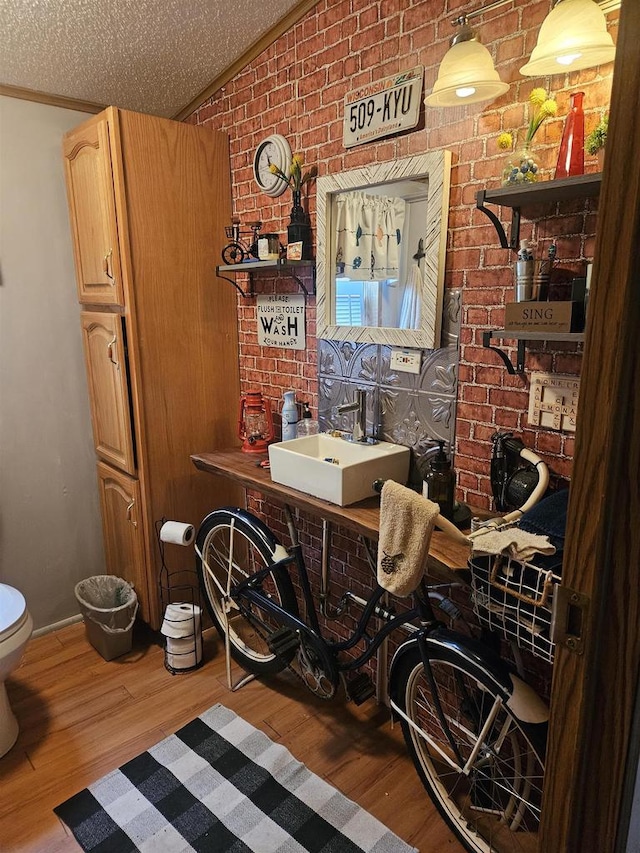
{"x":568,"y":58}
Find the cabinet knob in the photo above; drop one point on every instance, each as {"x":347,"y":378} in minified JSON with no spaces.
{"x":106,"y":266}
{"x":110,"y":347}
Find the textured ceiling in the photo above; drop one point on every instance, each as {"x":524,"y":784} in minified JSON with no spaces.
{"x":153,"y":56}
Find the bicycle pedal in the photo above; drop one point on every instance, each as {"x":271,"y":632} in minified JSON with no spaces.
{"x":360,"y":688}
{"x":282,"y":641}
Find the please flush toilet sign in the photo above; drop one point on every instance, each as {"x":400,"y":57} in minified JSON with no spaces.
{"x":281,"y":320}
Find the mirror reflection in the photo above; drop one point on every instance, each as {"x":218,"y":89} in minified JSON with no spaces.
{"x":381,"y":241}
{"x":379,"y":255}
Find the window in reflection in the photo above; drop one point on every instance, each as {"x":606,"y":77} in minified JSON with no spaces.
{"x":363,"y":303}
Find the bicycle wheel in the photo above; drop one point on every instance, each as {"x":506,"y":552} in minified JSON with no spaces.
{"x":233,"y":253}
{"x":234,"y":544}
{"x":483,"y":768}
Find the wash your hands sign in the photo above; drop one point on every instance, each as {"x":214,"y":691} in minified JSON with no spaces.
{"x":281,"y":320}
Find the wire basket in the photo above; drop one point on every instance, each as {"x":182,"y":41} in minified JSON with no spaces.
{"x":229,"y":231}
{"x":514,"y":599}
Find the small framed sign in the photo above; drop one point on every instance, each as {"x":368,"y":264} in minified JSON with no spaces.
{"x":382,"y":108}
{"x":281,"y":320}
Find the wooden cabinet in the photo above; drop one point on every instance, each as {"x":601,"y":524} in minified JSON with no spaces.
{"x":149,"y":199}
{"x":123,"y":533}
{"x":104,"y":350}
{"x":93,"y":215}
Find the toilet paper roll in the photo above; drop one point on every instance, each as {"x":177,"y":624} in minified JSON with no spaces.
{"x":177,"y":533}
{"x":183,"y":653}
{"x":181,"y":620}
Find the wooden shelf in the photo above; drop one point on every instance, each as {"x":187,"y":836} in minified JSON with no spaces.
{"x":521,"y":337}
{"x":545,"y":192}
{"x":254,"y":266}
{"x":291,"y":268}
{"x":528,"y":335}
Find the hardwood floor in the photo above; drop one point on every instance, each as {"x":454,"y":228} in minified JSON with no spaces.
{"x":81,"y":716}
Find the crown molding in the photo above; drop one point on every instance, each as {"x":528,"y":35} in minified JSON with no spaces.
{"x":50,"y":100}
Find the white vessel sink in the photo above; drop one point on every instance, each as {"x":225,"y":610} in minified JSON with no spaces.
{"x":336,"y":470}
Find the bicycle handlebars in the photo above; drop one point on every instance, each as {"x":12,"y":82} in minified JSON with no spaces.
{"x":448,"y":528}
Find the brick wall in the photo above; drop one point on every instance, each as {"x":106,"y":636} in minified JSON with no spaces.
{"x":296,"y":88}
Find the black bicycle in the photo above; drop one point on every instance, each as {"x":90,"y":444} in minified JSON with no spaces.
{"x":475,"y":730}
{"x":239,"y":248}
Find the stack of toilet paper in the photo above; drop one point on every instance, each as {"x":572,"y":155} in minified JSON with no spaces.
{"x":183,"y":635}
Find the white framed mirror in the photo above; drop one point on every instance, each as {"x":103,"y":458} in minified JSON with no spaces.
{"x":381,"y":241}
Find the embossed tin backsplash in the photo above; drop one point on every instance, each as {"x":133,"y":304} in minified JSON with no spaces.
{"x":415,"y":410}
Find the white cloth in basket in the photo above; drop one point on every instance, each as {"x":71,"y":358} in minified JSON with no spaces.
{"x":517,"y":543}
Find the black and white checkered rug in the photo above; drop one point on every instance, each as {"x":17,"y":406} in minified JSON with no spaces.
{"x":220,"y":785}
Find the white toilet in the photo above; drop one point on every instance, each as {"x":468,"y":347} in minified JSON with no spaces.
{"x":16,"y":626}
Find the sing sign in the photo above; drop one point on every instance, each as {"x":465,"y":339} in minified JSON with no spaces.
{"x":382,"y":108}
{"x":281,"y":320}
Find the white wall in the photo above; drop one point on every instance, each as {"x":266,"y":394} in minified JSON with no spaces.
{"x":50,"y":529}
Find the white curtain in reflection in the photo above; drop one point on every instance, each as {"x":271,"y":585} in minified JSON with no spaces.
{"x":369,"y":235}
{"x":410,"y":309}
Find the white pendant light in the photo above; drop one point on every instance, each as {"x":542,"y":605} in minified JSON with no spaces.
{"x":467,"y":74}
{"x":573,"y":36}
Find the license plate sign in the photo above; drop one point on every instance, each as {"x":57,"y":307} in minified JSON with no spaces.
{"x":382,"y":108}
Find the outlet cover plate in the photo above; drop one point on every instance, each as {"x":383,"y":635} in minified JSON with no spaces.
{"x":406,"y":360}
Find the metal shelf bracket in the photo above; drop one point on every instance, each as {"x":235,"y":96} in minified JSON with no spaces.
{"x":282,"y":268}
{"x":515,"y":222}
{"x":246,"y":294}
{"x":519,"y":367}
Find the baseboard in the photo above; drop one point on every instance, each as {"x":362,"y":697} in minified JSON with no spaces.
{"x":57,"y":625}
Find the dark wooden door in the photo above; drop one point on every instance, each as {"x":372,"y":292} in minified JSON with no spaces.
{"x":593,"y":747}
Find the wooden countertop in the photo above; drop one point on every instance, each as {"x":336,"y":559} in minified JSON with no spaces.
{"x":363,"y":517}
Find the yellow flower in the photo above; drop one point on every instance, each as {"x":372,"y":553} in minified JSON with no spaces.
{"x":273,"y":169}
{"x":548,"y":108}
{"x":545,"y":107}
{"x":298,"y":158}
{"x":504,"y":141}
{"x":538,"y":97}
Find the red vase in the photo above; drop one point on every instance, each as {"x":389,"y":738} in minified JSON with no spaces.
{"x":571,"y":156}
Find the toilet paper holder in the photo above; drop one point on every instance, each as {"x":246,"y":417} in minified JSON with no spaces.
{"x":180,"y":601}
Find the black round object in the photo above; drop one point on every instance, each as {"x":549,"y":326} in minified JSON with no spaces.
{"x":519,"y":486}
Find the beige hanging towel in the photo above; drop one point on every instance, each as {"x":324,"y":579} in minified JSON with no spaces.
{"x":406,"y":523}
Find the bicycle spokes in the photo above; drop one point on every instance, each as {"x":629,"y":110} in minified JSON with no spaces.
{"x":476,"y":757}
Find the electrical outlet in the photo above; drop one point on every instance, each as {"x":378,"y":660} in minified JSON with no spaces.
{"x":407,"y":361}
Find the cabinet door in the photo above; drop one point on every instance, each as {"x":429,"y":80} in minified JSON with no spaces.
{"x":93,"y":213}
{"x":123,"y":531}
{"x":105,"y":354}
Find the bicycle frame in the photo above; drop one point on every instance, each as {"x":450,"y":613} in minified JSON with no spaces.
{"x":246,"y":590}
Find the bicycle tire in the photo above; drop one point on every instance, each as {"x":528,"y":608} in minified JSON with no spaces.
{"x":254,"y":546}
{"x":496,"y":805}
{"x":233,"y":253}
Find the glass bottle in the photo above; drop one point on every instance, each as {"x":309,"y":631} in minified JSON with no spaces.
{"x":307,"y":425}
{"x":521,"y":167}
{"x":571,"y":155}
{"x":289,"y":416}
{"x":439,"y":484}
